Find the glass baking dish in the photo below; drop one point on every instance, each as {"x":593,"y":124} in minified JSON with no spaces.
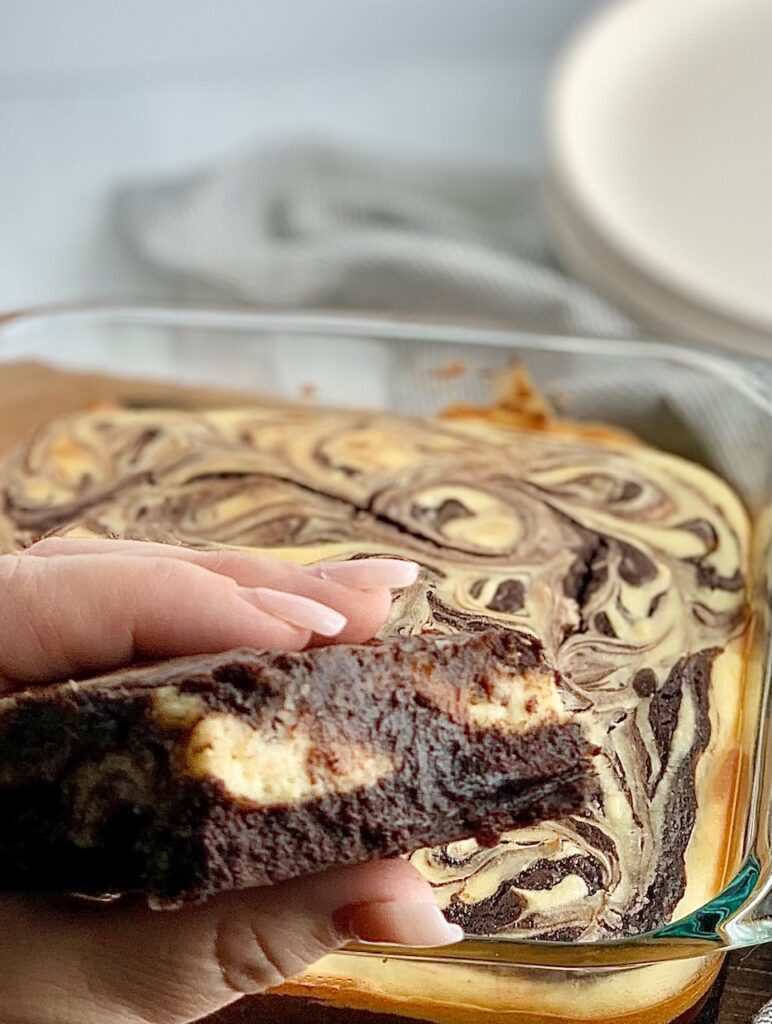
{"x":684,"y":400}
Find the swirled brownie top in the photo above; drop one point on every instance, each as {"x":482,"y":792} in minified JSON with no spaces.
{"x":626,"y":563}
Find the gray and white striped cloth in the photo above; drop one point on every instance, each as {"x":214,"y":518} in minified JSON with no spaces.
{"x":312,"y":225}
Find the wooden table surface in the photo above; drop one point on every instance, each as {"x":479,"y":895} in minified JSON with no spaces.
{"x":745,"y":985}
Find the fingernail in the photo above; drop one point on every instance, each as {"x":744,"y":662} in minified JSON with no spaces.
{"x":297,"y":610}
{"x":404,"y":924}
{"x":369,"y":573}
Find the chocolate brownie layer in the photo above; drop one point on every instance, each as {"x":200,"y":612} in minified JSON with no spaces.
{"x":626,"y":563}
{"x":212,"y":773}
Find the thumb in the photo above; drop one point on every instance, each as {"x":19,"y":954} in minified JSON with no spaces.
{"x":263,"y":944}
{"x":125,"y":964}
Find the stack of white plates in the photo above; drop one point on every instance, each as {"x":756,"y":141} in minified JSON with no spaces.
{"x":660,"y":133}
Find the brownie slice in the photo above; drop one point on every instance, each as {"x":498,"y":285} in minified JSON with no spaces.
{"x":197,"y":775}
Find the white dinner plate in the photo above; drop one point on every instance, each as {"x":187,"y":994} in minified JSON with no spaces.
{"x":660,"y":142}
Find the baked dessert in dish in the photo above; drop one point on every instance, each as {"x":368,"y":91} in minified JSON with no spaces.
{"x":203,"y":774}
{"x":627,"y":565}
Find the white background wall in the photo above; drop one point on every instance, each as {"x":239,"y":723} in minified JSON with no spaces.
{"x":97,"y":92}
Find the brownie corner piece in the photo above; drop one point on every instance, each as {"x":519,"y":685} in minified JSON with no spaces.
{"x":202,"y":774}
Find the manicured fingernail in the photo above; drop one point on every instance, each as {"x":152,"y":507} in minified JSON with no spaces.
{"x":404,"y":924}
{"x":369,"y":573}
{"x":297,"y":610}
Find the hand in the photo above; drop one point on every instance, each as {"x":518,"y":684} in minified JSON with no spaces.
{"x":73,"y":608}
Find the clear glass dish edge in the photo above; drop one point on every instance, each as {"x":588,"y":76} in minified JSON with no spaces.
{"x":741,"y":914}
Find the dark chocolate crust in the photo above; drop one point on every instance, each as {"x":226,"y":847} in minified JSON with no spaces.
{"x":273,"y":1009}
{"x":96,"y":794}
{"x":270,"y":1009}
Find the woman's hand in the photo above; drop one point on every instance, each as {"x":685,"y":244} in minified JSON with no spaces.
{"x":74,"y":608}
